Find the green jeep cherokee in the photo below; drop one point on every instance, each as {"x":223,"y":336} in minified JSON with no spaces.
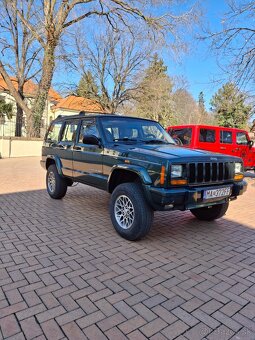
{"x":137,"y":162}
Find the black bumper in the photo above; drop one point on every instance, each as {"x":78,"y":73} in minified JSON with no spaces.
{"x":185,"y":198}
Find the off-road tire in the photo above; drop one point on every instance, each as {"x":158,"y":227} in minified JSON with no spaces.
{"x":141,"y":213}
{"x":56,"y":185}
{"x":210,"y":213}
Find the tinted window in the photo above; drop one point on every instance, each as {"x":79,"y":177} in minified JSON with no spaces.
{"x":53,"y":132}
{"x":136,"y":130}
{"x":88,"y":128}
{"x":207,"y":135}
{"x":241,"y":138}
{"x":181,"y":136}
{"x":226,"y":137}
{"x":69,"y":133}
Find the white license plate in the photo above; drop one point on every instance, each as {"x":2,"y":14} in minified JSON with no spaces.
{"x":214,"y":193}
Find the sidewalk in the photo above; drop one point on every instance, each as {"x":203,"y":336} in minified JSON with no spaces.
{"x":66,"y":274}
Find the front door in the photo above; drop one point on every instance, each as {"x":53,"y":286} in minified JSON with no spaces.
{"x":87,"y":159}
{"x":227,"y":142}
{"x":242,"y":148}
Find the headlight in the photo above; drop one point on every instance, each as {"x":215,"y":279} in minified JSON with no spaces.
{"x":176,"y":171}
{"x":238,"y":168}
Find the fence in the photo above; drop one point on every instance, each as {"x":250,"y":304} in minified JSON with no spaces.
{"x":11,"y":146}
{"x":8,"y":129}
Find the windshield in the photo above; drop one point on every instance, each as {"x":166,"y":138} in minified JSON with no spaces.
{"x":134,"y":130}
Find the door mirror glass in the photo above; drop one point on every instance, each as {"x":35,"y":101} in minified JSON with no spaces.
{"x":90,"y":139}
{"x":250,"y":143}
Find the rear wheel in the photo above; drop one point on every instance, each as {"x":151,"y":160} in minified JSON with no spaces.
{"x":210,"y":213}
{"x":56,"y":185}
{"x":130,"y":213}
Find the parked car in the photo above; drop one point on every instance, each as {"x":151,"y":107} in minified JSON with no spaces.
{"x":140,"y":165}
{"x":229,"y":141}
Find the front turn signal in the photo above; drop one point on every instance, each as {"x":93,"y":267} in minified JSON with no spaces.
{"x":238,"y":177}
{"x":179,"y":182}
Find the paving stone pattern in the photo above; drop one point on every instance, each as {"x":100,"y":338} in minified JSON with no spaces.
{"x":66,"y":274}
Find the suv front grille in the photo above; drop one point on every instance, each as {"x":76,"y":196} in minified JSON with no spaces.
{"x":210,"y":172}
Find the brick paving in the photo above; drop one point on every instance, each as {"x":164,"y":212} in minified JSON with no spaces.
{"x":66,"y":274}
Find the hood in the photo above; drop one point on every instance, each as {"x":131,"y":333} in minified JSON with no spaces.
{"x":176,"y":152}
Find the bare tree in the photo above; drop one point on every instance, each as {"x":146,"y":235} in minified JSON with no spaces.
{"x":19,"y":50}
{"x":56,"y":16}
{"x":114,"y":60}
{"x":235,"y":42}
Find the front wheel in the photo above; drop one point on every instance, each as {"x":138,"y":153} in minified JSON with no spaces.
{"x":130,"y":213}
{"x":210,"y":213}
{"x":56,"y":185}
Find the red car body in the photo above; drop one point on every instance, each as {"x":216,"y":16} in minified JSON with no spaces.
{"x":230,"y":141}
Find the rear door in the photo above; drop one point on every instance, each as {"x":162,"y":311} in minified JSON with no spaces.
{"x":208,"y":139}
{"x":65,"y":146}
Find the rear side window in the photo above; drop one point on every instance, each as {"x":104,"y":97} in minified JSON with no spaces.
{"x":53,"y":132}
{"x":181,"y":136}
{"x":241,"y":138}
{"x":69,"y":133}
{"x":207,"y":136}
{"x":226,"y":137}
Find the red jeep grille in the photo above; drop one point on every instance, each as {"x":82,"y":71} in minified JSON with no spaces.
{"x":210,"y":172}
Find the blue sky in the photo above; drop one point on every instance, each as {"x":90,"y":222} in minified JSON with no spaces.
{"x":200,"y":66}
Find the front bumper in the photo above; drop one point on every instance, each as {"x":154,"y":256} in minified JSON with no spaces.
{"x":186,"y":198}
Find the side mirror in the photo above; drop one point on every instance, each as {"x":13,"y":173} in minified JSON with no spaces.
{"x":250,"y":143}
{"x":91,"y":139}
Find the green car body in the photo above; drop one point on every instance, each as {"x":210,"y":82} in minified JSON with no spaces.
{"x":84,"y":149}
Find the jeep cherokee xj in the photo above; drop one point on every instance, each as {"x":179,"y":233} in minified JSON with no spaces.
{"x":138,"y":162}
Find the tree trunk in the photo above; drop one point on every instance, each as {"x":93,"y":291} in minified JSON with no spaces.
{"x":19,"y":115}
{"x":44,"y":87}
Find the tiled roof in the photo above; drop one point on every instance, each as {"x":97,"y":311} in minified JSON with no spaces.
{"x":30,"y":88}
{"x":78,"y":104}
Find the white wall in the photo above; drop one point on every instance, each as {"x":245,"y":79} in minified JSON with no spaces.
{"x":20,"y":147}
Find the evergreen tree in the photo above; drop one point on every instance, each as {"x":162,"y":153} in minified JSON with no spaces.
{"x":155,"y":96}
{"x":5,"y":110}
{"x":87,"y":86}
{"x":230,"y":108}
{"x":201,"y":104}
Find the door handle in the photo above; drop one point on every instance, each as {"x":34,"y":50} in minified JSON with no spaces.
{"x":78,"y":148}
{"x":60,"y":146}
{"x":222,"y":148}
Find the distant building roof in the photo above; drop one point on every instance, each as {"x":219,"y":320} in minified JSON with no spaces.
{"x":30,"y":88}
{"x":74,"y":103}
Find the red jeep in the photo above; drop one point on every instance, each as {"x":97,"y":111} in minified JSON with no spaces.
{"x":230,"y":141}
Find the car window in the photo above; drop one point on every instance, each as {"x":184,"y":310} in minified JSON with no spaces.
{"x":53,"y":132}
{"x":69,"y":132}
{"x":207,"y":135}
{"x":226,"y":137}
{"x":132,"y":129}
{"x":88,"y":128}
{"x":181,"y":136}
{"x":241,"y":138}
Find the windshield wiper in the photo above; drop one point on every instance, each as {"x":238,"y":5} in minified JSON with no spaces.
{"x":125,"y":139}
{"x":155,"y":141}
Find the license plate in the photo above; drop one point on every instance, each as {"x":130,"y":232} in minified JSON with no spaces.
{"x":214,"y":193}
